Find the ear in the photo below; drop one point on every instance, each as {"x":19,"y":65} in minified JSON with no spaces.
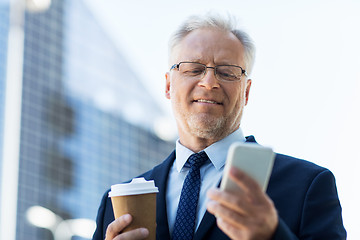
{"x":167,"y":85}
{"x":247,"y":91}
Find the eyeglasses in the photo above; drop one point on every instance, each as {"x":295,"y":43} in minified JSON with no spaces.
{"x":196,"y":71}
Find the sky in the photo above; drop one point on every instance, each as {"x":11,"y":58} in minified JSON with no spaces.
{"x":305,"y":96}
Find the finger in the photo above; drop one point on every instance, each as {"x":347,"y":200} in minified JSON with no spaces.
{"x":235,"y":218}
{"x":218,"y":195}
{"x":136,"y":234}
{"x":117,"y":226}
{"x":252,"y":229}
{"x":230,"y":230}
{"x":242,"y":203}
{"x":245,"y":182}
{"x":238,"y":226}
{"x":236,"y":202}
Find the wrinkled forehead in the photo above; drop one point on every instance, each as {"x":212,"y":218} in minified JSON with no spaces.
{"x":208,"y":45}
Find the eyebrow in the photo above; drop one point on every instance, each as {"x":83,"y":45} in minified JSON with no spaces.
{"x":199,"y":60}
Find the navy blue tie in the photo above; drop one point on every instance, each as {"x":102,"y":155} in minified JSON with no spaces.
{"x":184,"y":227}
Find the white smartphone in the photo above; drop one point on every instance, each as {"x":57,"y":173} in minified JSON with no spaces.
{"x":255,"y":160}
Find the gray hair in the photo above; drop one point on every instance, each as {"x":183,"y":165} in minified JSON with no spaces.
{"x":219,"y":22}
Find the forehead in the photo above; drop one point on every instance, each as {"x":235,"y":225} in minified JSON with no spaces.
{"x":209,"y":45}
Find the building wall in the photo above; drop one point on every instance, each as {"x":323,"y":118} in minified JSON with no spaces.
{"x":46,"y":118}
{"x":4,"y":28}
{"x":75,"y":145}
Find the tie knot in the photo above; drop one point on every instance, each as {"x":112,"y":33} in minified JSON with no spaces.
{"x":198,"y":159}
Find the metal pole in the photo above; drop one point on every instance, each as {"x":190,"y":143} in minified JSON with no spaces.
{"x":12,"y":121}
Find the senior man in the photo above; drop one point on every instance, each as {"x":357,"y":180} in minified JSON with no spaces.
{"x":208,"y":85}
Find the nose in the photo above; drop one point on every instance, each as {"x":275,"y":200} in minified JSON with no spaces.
{"x":209,"y":80}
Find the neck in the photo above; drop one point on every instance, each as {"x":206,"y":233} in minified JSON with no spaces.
{"x":197,"y":143}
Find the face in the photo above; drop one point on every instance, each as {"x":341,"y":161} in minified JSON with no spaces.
{"x":207,"y":109}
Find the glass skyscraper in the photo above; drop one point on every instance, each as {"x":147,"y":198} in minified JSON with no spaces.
{"x":86,"y":117}
{"x":4,"y":26}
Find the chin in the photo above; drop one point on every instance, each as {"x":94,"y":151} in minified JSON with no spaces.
{"x":207,"y":127}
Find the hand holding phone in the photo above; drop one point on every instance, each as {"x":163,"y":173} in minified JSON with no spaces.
{"x":255,"y":160}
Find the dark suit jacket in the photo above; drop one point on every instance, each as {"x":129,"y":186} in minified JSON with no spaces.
{"x":304,"y":195}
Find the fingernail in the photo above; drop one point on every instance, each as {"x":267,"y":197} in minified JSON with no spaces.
{"x":211,"y":192}
{"x":234,"y":171}
{"x":144,"y":232}
{"x":210,"y":205}
{"x":127,"y":217}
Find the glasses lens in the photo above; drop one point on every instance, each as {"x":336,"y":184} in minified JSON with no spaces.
{"x":192,"y":70}
{"x":228,"y":73}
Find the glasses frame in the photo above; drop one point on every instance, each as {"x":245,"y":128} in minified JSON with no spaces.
{"x":243,"y":72}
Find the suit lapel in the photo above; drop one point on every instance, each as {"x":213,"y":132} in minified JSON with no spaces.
{"x":207,"y":222}
{"x":160,"y":175}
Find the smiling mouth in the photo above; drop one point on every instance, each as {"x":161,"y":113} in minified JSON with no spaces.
{"x":207,"y":101}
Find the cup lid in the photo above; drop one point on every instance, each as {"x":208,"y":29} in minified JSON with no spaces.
{"x":136,"y":186}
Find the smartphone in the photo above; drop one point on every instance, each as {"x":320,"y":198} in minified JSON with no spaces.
{"x":255,"y":160}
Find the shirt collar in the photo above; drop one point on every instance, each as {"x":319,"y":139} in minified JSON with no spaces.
{"x":216,"y":152}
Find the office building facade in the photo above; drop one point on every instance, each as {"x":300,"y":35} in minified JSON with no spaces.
{"x":86,"y":118}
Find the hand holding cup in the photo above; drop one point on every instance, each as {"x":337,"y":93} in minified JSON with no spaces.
{"x":137,"y":198}
{"x":116,"y":229}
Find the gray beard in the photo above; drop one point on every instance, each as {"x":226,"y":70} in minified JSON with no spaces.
{"x":207,"y":128}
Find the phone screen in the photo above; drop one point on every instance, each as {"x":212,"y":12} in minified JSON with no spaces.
{"x":255,"y":160}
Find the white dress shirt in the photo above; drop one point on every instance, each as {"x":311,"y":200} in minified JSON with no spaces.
{"x":210,"y":172}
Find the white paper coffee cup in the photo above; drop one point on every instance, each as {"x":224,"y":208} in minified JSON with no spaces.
{"x":135,"y":187}
{"x":138,"y":198}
